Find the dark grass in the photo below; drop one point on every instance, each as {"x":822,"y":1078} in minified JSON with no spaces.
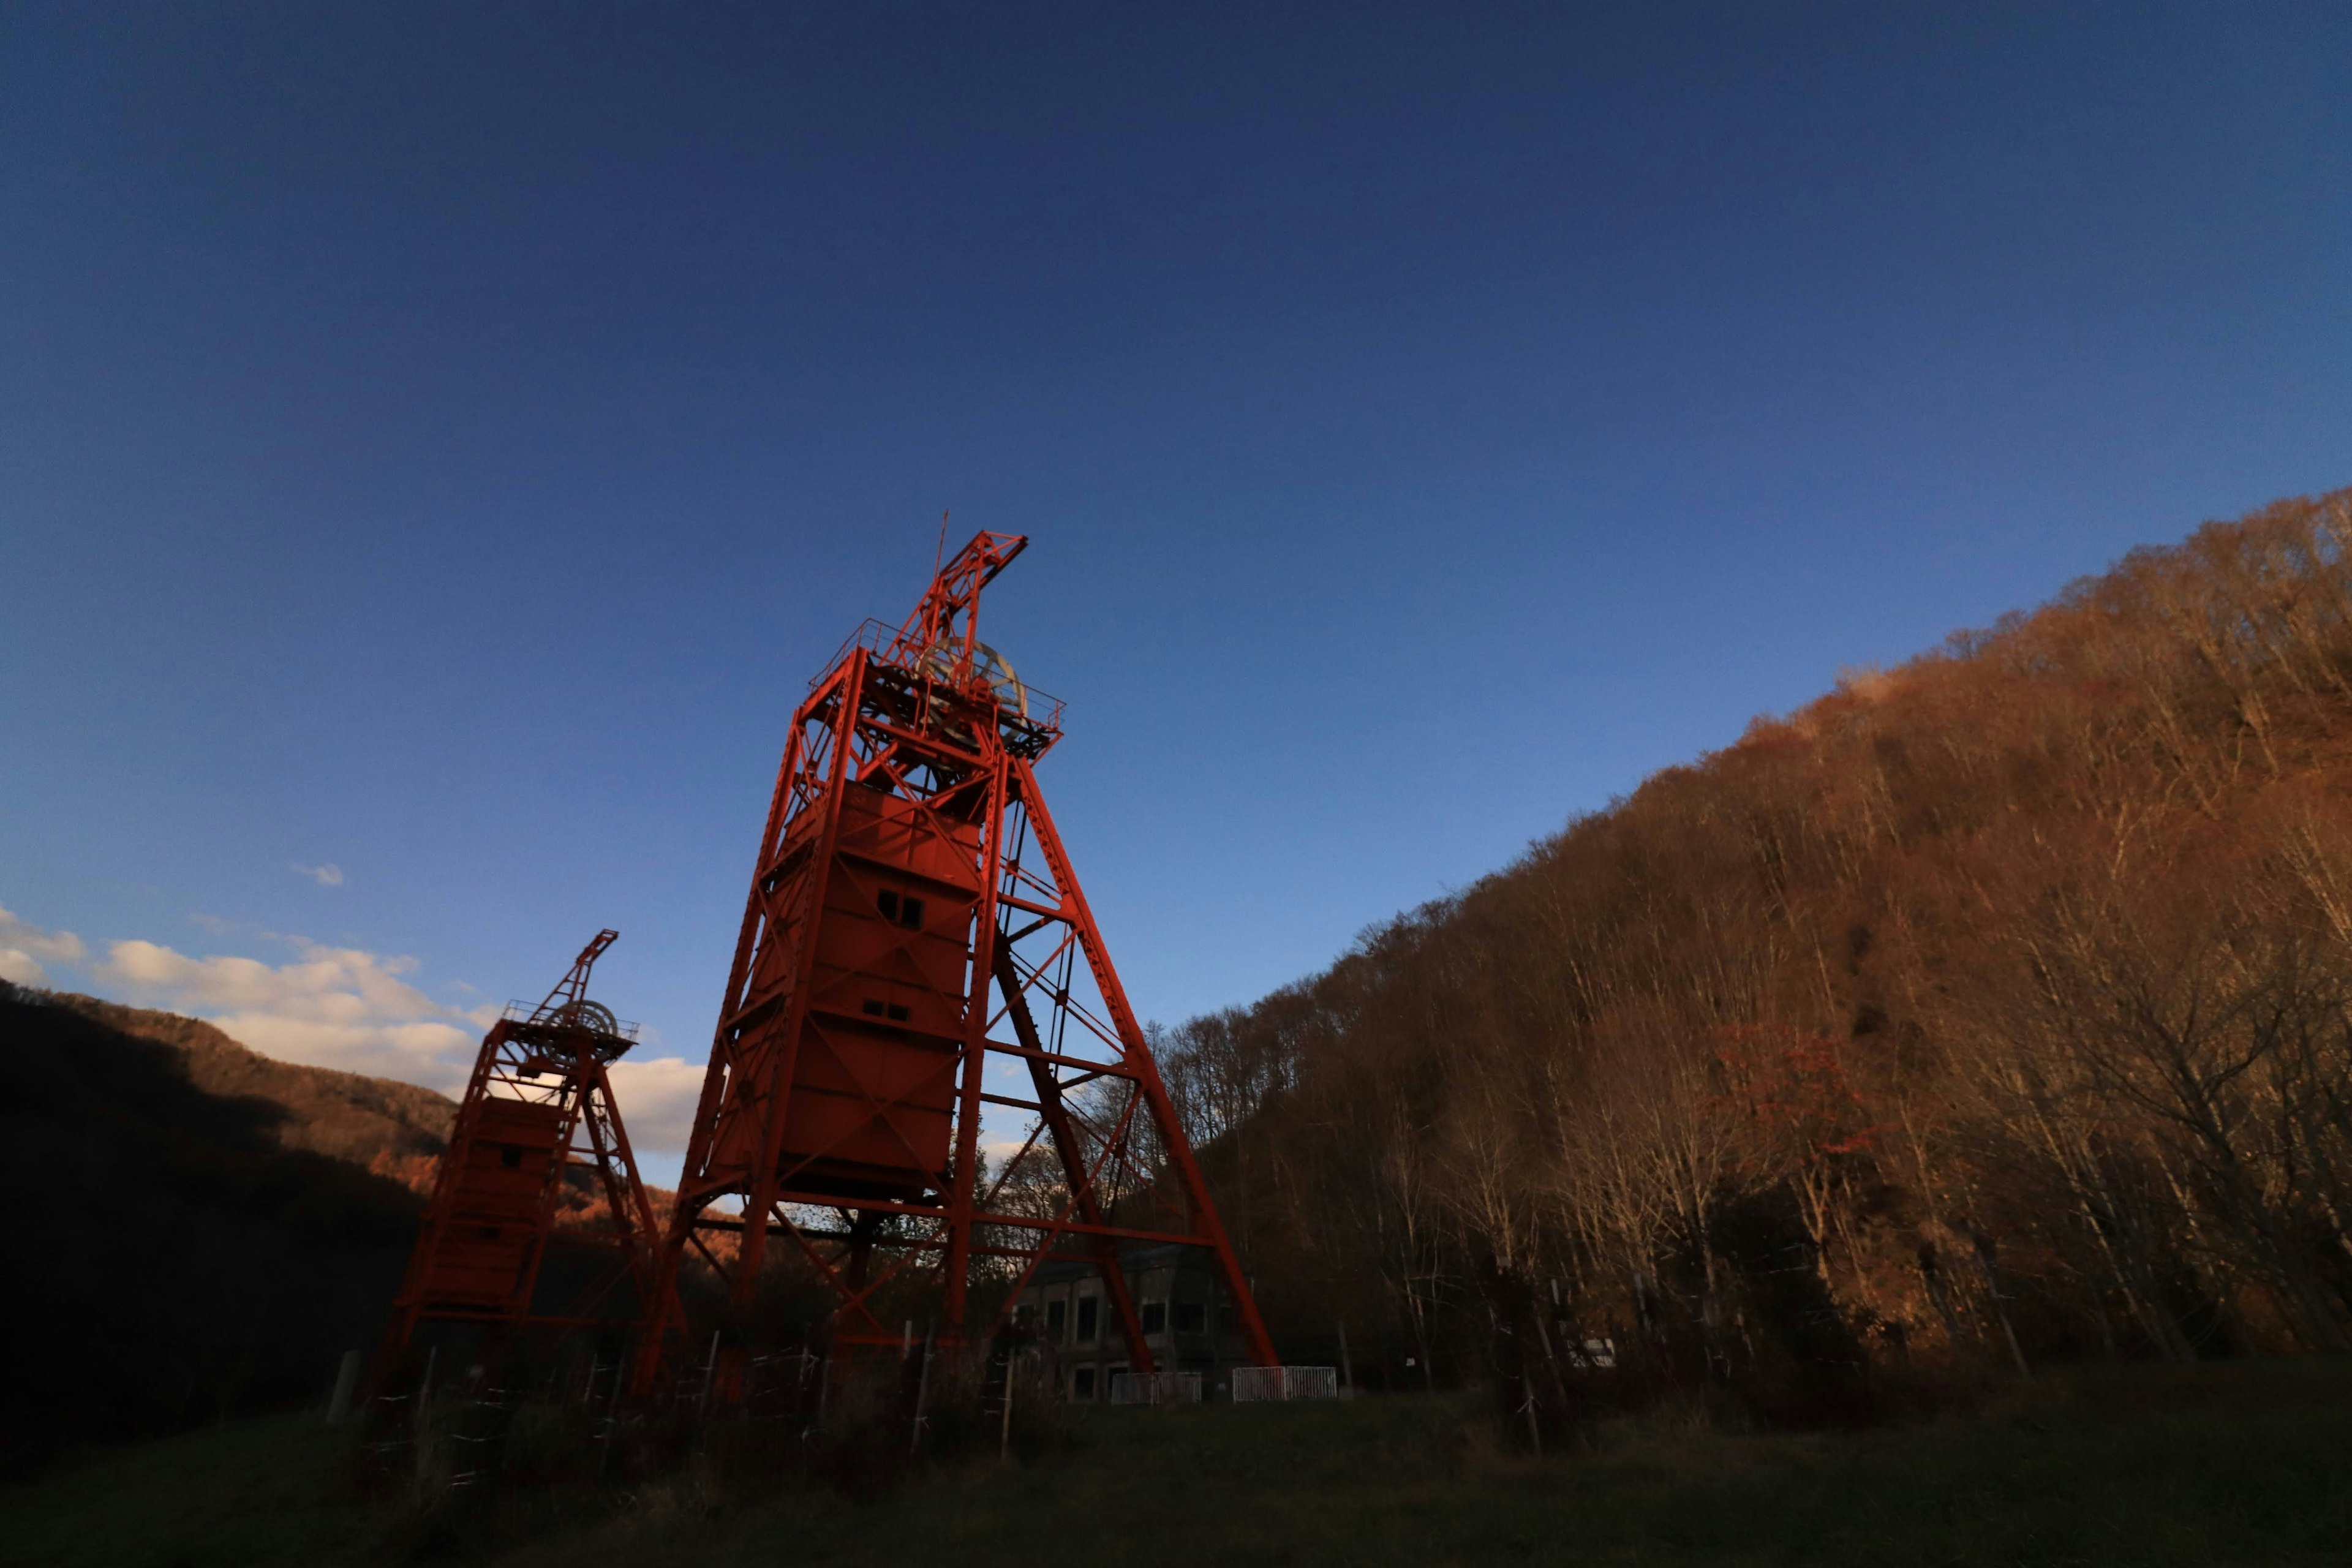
{"x":259,"y":1492}
{"x":2238,"y":1463}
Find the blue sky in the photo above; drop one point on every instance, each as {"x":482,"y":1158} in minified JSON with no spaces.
{"x":438,"y":444}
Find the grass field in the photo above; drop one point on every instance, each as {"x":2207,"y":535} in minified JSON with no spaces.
{"x":2239,"y":1463}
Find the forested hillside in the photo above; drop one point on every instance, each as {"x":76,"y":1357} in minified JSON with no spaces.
{"x":1990,"y":1009}
{"x":172,"y":1259}
{"x":394,"y":1128}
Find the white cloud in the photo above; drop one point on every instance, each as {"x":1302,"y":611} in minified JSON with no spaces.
{"x":347,"y":1008}
{"x":658,"y":1100}
{"x":22,"y":946}
{"x":325,"y":875}
{"x":332,"y":1006}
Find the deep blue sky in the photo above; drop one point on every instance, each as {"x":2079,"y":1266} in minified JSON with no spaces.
{"x":441,"y":442}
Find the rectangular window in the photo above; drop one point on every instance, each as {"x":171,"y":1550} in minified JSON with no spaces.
{"x":1155,"y":1317}
{"x":1089,"y":1317}
{"x":887,"y":902}
{"x":911,"y":912}
{"x":1228,"y":1321}
{"x":1082,"y":1382}
{"x":898,"y":1015}
{"x":1056,"y":1314}
{"x":872,"y":1007}
{"x":1191,"y":1317}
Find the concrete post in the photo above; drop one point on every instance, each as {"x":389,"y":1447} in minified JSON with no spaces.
{"x":347,"y":1382}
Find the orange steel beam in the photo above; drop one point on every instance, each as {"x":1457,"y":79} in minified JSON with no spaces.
{"x":538,"y":1106}
{"x":910,"y":890}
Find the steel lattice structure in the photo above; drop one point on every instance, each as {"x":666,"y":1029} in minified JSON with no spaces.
{"x":539,"y":1106}
{"x":913,"y":926}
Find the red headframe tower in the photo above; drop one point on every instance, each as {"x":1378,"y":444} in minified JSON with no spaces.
{"x":539,"y":1106}
{"x":916,"y":947}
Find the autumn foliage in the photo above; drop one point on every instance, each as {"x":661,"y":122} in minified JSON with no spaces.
{"x":1999,"y":1001}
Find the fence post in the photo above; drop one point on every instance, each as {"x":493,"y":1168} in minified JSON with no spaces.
{"x":709,"y":1376}
{"x":347,"y":1380}
{"x":612,"y":1417}
{"x":922,"y":1391}
{"x":1004,"y":1432}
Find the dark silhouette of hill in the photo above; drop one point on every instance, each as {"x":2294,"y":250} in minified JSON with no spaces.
{"x":368,"y":1121}
{"x":205,"y":1228}
{"x":382,"y":1125}
{"x":175,"y":1249}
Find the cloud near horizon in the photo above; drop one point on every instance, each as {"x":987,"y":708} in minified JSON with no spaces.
{"x":657,"y":1097}
{"x":332,"y":1006}
{"x":23,"y":945}
{"x":346,"y":1008}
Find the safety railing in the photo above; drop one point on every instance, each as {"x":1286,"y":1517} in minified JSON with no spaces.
{"x":1254,"y":1385}
{"x":1155,"y":1388}
{"x":1043,"y":715}
{"x":519,"y":1012}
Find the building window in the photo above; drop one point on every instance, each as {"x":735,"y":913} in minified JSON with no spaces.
{"x":1228,"y":1321}
{"x":1082,"y":1382}
{"x":871,"y":1006}
{"x":898,"y":1015}
{"x":1191,"y":1317}
{"x":1089,"y":1314}
{"x":1155,"y":1317}
{"x":1057,"y":1313}
{"x":904,"y":910}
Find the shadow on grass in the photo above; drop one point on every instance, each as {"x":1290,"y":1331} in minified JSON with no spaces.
{"x":2232,"y":1463}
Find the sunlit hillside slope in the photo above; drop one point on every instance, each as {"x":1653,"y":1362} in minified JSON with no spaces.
{"x":1990,"y":1009}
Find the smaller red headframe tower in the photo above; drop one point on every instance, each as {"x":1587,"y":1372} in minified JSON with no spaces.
{"x":538,"y":1106}
{"x":915,"y":947}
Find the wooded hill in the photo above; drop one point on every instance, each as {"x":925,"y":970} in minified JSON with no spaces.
{"x":386,"y":1126}
{"x":1992,"y":1008}
{"x":182,"y":1243}
{"x":201,"y":1229}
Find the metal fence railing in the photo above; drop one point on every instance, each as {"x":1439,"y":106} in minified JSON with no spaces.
{"x":1155,"y":1388}
{"x":521,"y":1012}
{"x":1023,"y":703}
{"x":1254,"y":1384}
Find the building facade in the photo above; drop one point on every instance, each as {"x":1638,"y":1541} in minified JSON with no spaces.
{"x":1189,"y":1326}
